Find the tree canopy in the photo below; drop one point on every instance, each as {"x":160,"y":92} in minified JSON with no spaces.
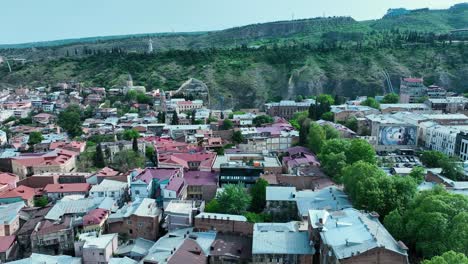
{"x":130,"y":134}
{"x":451,"y":168}
{"x":35,"y":138}
{"x":258,"y":194}
{"x":316,"y":137}
{"x":391,"y":98}
{"x":70,"y":120}
{"x":434,"y":222}
{"x":371,"y":102}
{"x":449,"y":257}
{"x":234,"y":199}
{"x":127,"y":160}
{"x":262,"y":119}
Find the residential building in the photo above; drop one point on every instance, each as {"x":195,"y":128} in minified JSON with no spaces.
{"x":450,"y":105}
{"x":201,"y":185}
{"x":344,"y":112}
{"x":180,"y":213}
{"x":111,"y":148}
{"x":94,"y":248}
{"x":77,"y":205}
{"x":20,"y":194}
{"x":135,"y":250}
{"x":42,"y":258}
{"x":44,"y":118}
{"x":281,"y":243}
{"x":412,"y":90}
{"x":224,"y":223}
{"x":33,"y":216}
{"x":187,"y":161}
{"x":287,"y":108}
{"x":53,"y":237}
{"x":392,"y":133}
{"x":117,"y":190}
{"x":3,"y":138}
{"x":443,"y":138}
{"x":95,"y":220}
{"x":58,"y":160}
{"x":58,"y":191}
{"x":139,"y":218}
{"x":176,"y":189}
{"x":8,"y":179}
{"x":9,"y":218}
{"x":8,"y":248}
{"x":414,"y":107}
{"x":151,"y":181}
{"x":351,"y":236}
{"x":231,"y":249}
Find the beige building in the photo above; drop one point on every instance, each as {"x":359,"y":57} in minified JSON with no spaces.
{"x":58,"y":160}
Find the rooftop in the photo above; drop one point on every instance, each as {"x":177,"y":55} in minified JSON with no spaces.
{"x":109,"y":186}
{"x":41,"y":258}
{"x":9,"y":212}
{"x":94,"y":240}
{"x":67,"y":188}
{"x":239,"y":218}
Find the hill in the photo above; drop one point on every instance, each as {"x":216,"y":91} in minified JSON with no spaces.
{"x":257,"y":63}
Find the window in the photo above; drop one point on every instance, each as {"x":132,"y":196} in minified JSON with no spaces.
{"x":130,"y":231}
{"x":129,"y":222}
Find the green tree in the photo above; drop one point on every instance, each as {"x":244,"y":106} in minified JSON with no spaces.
{"x":237,"y":137}
{"x":227,"y":124}
{"x":359,"y":149}
{"x":418,"y":173}
{"x":130,"y":134}
{"x":258,"y":194}
{"x":432,"y":223}
{"x":35,"y":138}
{"x":144,"y":99}
{"x":213,"y":207}
{"x":298,"y":118}
{"x":262,"y":119}
{"x":304,"y":131}
{"x":234,"y":199}
{"x":161,"y":117}
{"x":99,"y":157}
{"x":175,"y":118}
{"x":70,"y":120}
{"x":352,"y":124}
{"x":127,"y":160}
{"x":151,"y":155}
{"x":316,"y":137}
{"x":391,"y":98}
{"x":432,"y":158}
{"x":371,"y":102}
{"x":135,"y":144}
{"x":41,"y":201}
{"x":329,"y":116}
{"x":330,"y":132}
{"x":449,"y":257}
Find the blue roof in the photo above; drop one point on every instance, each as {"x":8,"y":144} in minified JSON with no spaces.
{"x":280,"y":238}
{"x":9,"y":212}
{"x":350,"y":232}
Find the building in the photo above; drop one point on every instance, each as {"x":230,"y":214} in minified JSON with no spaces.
{"x":78,"y":206}
{"x":9,"y":218}
{"x":238,"y":172}
{"x":94,"y":248}
{"x":8,"y":179}
{"x":95,"y":220}
{"x":33,"y":216}
{"x":116,"y":190}
{"x":20,"y":193}
{"x":151,"y":181}
{"x":180,"y":213}
{"x":287,"y":108}
{"x":412,"y":90}
{"x":223,"y":223}
{"x":41,"y":258}
{"x":201,"y":185}
{"x":136,"y":250}
{"x":350,"y":236}
{"x":111,"y":148}
{"x":448,"y":104}
{"x":392,"y":133}
{"x":3,"y":138}
{"x":58,"y":160}
{"x":139,"y":218}
{"x":344,"y":112}
{"x":187,"y":161}
{"x":8,"y":248}
{"x":443,"y":139}
{"x":231,"y":249}
{"x":58,"y":191}
{"x":281,"y":243}
{"x":415,"y":107}
{"x":53,"y":237}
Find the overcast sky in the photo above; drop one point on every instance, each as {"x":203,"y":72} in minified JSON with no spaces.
{"x":38,"y":20}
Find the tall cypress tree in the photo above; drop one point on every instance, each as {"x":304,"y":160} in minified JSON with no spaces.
{"x":175,"y":119}
{"x":135,"y":144}
{"x":99,"y":157}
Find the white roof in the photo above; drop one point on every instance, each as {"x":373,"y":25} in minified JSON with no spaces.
{"x":239,"y":218}
{"x":93,"y":240}
{"x":109,"y":186}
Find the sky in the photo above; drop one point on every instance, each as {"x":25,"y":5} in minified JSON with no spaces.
{"x":40,"y":20}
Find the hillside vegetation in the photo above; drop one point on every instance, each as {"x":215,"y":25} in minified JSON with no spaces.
{"x":258,"y":63}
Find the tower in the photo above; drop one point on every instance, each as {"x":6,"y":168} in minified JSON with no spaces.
{"x":150,"y":46}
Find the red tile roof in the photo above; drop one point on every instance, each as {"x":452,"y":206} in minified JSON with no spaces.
{"x":413,"y":80}
{"x":56,"y":157}
{"x":106,"y":171}
{"x":6,"y":242}
{"x":67,"y":188}
{"x":25,"y":192}
{"x":175,"y":184}
{"x":188,"y":252}
{"x":9,"y":178}
{"x":95,"y":216}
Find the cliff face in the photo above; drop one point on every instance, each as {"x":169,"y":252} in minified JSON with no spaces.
{"x":247,"y":78}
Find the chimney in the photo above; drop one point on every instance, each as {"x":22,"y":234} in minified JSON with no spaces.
{"x":347,"y":243}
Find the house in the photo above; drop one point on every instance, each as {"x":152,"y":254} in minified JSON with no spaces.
{"x":77,"y":205}
{"x":351,"y":236}
{"x":150,"y":182}
{"x":9,"y":179}
{"x":235,"y":160}
{"x":135,"y":250}
{"x":58,"y":191}
{"x":58,"y":160}
{"x":180,"y":213}
{"x":117,"y":190}
{"x":33,"y":217}
{"x":9,"y":218}
{"x":297,"y":158}
{"x":188,"y":161}
{"x":224,"y":223}
{"x":8,"y":248}
{"x":139,"y":218}
{"x":94,"y":220}
{"x":281,"y":243}
{"x":201,"y":185}
{"x":41,"y":258}
{"x":164,"y":250}
{"x":44,"y":119}
{"x":20,"y":193}
{"x":53,"y":237}
{"x":94,"y":248}
{"x":176,"y":189}
{"x":74,"y":146}
{"x":231,"y":249}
